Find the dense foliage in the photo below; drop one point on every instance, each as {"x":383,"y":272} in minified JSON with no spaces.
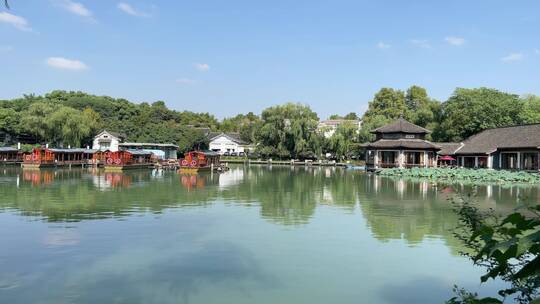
{"x":468,"y":175}
{"x":63,"y":118}
{"x":72,"y":118}
{"x":466,"y":112}
{"x":508,"y":247}
{"x":389,"y":104}
{"x":289,"y":131}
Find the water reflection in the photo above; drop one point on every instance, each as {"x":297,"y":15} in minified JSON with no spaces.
{"x":279,"y":234}
{"x":392,"y":208}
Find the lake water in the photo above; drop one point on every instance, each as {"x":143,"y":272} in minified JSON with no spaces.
{"x":251,"y":235}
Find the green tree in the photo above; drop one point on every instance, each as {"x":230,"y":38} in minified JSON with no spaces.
{"x":9,"y":121}
{"x":389,"y":103}
{"x":341,"y":142}
{"x":508,"y":247}
{"x":289,"y":131}
{"x":246,"y":125}
{"x":469,"y":111}
{"x":34,"y":120}
{"x":531,"y":109}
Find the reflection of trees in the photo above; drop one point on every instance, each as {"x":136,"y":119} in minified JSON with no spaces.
{"x":413,"y":210}
{"x":290,"y":195}
{"x":73,"y":195}
{"x":393,"y":208}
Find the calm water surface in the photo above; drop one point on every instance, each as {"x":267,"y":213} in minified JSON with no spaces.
{"x":251,"y":235}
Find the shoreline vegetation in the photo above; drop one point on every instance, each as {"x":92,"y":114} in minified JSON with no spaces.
{"x":464,"y":175}
{"x":286,"y":131}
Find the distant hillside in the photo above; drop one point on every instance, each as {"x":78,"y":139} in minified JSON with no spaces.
{"x":72,"y":118}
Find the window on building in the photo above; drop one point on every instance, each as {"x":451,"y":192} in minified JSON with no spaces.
{"x":413,"y":158}
{"x":388,"y":157}
{"x":529,"y":161}
{"x":469,"y":162}
{"x":509,"y":160}
{"x":482,"y":162}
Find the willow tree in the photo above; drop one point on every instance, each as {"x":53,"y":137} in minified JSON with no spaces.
{"x":289,"y":131}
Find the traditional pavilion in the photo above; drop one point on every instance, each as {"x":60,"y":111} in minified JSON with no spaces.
{"x":401,"y":144}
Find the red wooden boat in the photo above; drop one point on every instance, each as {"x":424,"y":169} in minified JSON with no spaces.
{"x":196,"y":161}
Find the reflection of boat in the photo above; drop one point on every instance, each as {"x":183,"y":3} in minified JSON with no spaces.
{"x":196,"y":161}
{"x":192,"y":181}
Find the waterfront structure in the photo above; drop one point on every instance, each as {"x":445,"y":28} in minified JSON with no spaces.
{"x":128,"y":159}
{"x":107,"y":141}
{"x":446,"y":156}
{"x":113,"y":142}
{"x":161,"y":151}
{"x":227,"y":143}
{"x":49,"y":157}
{"x":512,"y":148}
{"x":329,"y":127}
{"x":401,"y":144}
{"x":195,"y":161}
{"x":9,"y":155}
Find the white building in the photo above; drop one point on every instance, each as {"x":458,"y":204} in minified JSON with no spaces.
{"x":106,"y":140}
{"x":113,"y":142}
{"x":329,"y":127}
{"x":228,"y":142}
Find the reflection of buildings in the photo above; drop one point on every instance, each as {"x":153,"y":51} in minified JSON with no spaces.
{"x":231,"y":177}
{"x":108,"y":180}
{"x":38,"y":177}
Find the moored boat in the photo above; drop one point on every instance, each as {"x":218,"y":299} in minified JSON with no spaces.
{"x":128,"y":159}
{"x":196,"y":161}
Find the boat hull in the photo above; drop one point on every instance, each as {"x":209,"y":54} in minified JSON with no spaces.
{"x":118,"y":168}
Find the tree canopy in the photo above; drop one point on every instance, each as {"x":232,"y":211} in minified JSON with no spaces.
{"x":63,"y":118}
{"x":469,"y":111}
{"x":289,"y":131}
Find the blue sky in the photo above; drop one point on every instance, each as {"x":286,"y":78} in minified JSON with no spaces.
{"x":229,"y":57}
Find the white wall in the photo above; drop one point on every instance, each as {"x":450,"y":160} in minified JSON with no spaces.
{"x":104,"y":135}
{"x":223,"y":144}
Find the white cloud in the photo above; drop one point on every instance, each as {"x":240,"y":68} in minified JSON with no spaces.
{"x":537,"y":51}
{"x":513,"y":57}
{"x":457,"y":41}
{"x":185,"y":81}
{"x":66,"y":64}
{"x":15,"y":21}
{"x":76,"y":8}
{"x":128,"y":9}
{"x":383,"y":46}
{"x":421,"y":43}
{"x":203,"y":67}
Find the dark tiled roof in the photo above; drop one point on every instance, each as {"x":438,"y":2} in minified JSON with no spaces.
{"x":139,"y":152}
{"x":144,"y":145}
{"x":212,"y":135}
{"x":402,"y":143}
{"x":74,"y":150}
{"x":115,"y":134}
{"x":232,"y":136}
{"x":487,"y":141}
{"x":448,"y":148}
{"x":401,"y":126}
